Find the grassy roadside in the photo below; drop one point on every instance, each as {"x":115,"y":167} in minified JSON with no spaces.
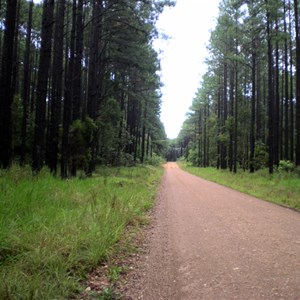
{"x":53,"y":232}
{"x":280,"y":188}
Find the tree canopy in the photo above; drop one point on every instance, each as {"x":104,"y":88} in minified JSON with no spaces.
{"x":246,"y":112}
{"x":79,"y":83}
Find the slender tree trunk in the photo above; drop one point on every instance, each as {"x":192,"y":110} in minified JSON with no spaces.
{"x":26,"y":84}
{"x":276,"y":105}
{"x":6,"y":96}
{"x":0,"y":37}
{"x":291,"y":88}
{"x":16,"y":63}
{"x":224,"y":119}
{"x":286,"y":88}
{"x":75,"y":79}
{"x":205,"y":137}
{"x":235,"y":135}
{"x":208,"y":135}
{"x":77,"y":93}
{"x":94,"y":80}
{"x":219,"y":123}
{"x":297,"y":160}
{"x":67,"y":112}
{"x":148,"y":143}
{"x":253,"y":102}
{"x":144,"y":133}
{"x":270,"y":95}
{"x":259,"y":105}
{"x":199,"y":140}
{"x":42,"y":84}
{"x":56,"y":90}
{"x":231,"y":97}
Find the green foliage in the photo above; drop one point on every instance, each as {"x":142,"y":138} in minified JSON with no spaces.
{"x":286,"y":166}
{"x":223,"y":138}
{"x":17,"y":113}
{"x":193,"y":157}
{"x":261,"y":156}
{"x":81,"y":134}
{"x":53,"y":232}
{"x":108,"y":294}
{"x":155,"y":160}
{"x":114,"y":273}
{"x":108,"y":124}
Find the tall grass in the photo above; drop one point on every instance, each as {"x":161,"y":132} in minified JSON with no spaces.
{"x":282,"y":188}
{"x":52,"y":232}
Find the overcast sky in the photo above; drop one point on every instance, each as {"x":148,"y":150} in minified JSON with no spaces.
{"x":188,"y":24}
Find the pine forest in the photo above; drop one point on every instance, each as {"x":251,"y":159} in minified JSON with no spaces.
{"x":246,"y":112}
{"x":80,"y":87}
{"x":79,"y":84}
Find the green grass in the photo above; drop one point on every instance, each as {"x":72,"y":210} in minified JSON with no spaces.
{"x":53,"y":232}
{"x":281,"y":188}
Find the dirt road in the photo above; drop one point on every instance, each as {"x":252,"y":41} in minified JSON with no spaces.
{"x":210,"y":242}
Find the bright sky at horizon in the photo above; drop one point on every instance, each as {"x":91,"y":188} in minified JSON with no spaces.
{"x":188,"y":25}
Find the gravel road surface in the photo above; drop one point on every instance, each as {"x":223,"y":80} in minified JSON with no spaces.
{"x":210,"y":242}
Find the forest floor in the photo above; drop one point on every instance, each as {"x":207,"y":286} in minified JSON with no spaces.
{"x":207,"y":241}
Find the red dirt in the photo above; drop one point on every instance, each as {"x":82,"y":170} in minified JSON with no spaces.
{"x":210,"y":242}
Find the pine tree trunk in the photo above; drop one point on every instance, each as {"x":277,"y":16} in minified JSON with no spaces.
{"x":219,"y":124}
{"x":270,"y":95}
{"x":235,"y":134}
{"x":16,"y":63}
{"x":6,"y":95}
{"x":42,"y":84}
{"x":253,"y":101}
{"x":297,"y":159}
{"x":144,"y":134}
{"x":26,"y":84}
{"x":56,"y":90}
{"x":67,"y":113}
{"x":286,"y":89}
{"x":0,"y":36}
{"x":276,"y":105}
{"x":94,"y":92}
{"x":291,"y":92}
{"x":224,"y":119}
{"x":77,"y":93}
{"x":231,"y":100}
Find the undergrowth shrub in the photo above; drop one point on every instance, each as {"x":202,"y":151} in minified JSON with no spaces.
{"x":286,"y":166}
{"x":155,"y":160}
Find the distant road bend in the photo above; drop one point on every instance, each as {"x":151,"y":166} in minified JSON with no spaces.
{"x":210,"y":242}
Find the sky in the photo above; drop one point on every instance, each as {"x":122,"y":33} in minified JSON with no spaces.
{"x":188,"y":26}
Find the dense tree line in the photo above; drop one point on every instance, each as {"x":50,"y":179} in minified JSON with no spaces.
{"x":246,"y":112}
{"x":78,"y":83}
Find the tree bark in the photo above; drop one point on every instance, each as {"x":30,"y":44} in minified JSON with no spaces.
{"x":42,"y":84}
{"x":286,"y":88}
{"x":6,"y":96}
{"x":67,"y":113}
{"x":26,"y":85}
{"x":270,"y":95}
{"x":297,"y":37}
{"x":56,"y":90}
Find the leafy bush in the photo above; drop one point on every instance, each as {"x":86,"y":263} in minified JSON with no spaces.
{"x":286,"y":166}
{"x":261,"y":156}
{"x":81,"y":133}
{"x":155,"y":160}
{"x":193,"y":157}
